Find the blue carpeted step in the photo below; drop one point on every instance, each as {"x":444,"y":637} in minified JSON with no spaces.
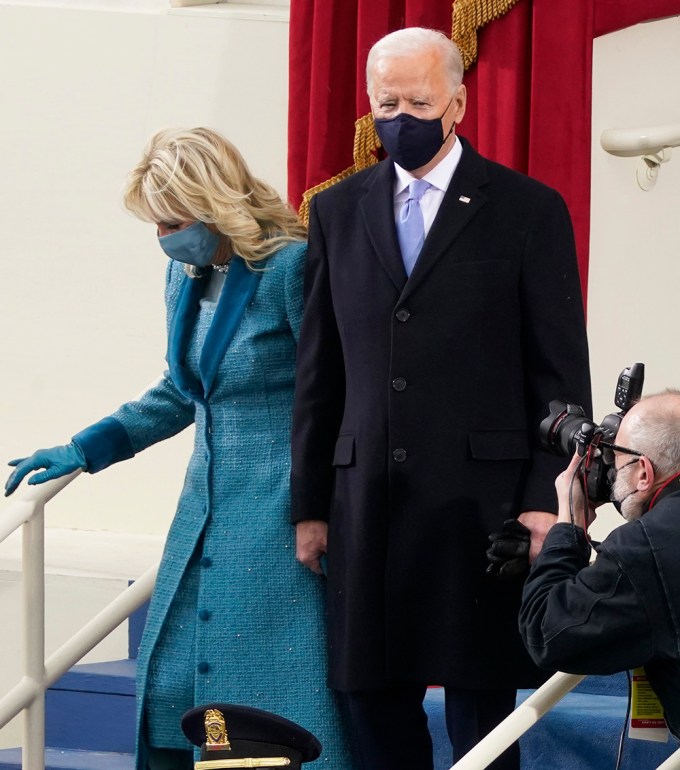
{"x":580,"y":733}
{"x":615,"y":684}
{"x":60,"y":759}
{"x":92,"y":707}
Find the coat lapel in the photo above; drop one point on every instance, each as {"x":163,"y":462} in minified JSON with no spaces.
{"x":181,"y":328}
{"x":239,"y":288}
{"x":462,"y":200}
{"x":377,"y":208}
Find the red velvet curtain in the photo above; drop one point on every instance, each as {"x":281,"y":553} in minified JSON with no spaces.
{"x":529,"y":94}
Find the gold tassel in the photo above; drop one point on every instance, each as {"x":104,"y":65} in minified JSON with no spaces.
{"x":468,"y":17}
{"x":366,"y":143}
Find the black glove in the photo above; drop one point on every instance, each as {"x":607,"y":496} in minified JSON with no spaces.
{"x":509,"y":551}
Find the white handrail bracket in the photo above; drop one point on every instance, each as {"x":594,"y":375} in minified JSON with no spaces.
{"x":648,"y":170}
{"x":652,"y":145}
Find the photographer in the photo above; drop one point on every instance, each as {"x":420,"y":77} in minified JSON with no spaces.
{"x":623,"y":611}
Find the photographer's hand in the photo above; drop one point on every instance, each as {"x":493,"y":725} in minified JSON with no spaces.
{"x":570,"y":479}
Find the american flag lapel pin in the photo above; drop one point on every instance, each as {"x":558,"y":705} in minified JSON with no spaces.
{"x":464,"y":199}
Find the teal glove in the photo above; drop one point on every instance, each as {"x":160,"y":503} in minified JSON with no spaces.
{"x":58,"y":461}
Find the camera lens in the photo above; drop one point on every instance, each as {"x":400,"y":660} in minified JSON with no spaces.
{"x":562,"y":428}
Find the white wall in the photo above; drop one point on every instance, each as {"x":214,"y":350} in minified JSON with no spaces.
{"x":634,"y":287}
{"x":81,"y":309}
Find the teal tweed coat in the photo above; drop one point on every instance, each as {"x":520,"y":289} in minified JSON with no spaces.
{"x":234,"y":617}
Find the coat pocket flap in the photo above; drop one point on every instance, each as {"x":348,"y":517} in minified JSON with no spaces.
{"x":499,"y":444}
{"x":344,"y":451}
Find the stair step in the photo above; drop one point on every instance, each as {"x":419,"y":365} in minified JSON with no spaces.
{"x":112,"y":677}
{"x":92,"y":707}
{"x":580,"y":733}
{"x":73,"y":759}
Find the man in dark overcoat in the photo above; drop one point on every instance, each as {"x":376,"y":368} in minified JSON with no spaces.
{"x":422,"y":379}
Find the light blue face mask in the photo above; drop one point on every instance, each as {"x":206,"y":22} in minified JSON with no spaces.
{"x":195,"y":245}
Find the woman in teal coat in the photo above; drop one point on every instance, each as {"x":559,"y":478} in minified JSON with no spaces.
{"x":234,"y":617}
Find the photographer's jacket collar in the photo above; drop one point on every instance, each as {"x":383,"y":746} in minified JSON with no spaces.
{"x":669,"y":486}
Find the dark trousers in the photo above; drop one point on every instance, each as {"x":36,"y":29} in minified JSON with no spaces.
{"x":389,"y":727}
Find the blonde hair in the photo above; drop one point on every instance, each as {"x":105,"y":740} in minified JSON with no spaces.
{"x":197,"y":174}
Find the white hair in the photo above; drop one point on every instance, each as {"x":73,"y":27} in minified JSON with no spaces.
{"x":655,"y":431}
{"x":414,"y":40}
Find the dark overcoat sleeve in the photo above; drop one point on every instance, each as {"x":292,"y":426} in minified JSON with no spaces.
{"x":319,"y":388}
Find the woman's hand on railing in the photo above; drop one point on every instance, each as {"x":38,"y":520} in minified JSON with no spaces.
{"x":57,"y":461}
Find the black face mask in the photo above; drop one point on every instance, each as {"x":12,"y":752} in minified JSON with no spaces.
{"x":412,"y":142}
{"x":619,"y":503}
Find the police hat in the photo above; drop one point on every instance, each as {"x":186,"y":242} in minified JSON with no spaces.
{"x":233,"y":736}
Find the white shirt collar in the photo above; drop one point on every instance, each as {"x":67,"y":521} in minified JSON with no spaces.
{"x":439,"y":176}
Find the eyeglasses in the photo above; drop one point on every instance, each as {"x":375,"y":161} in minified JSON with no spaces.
{"x":625,"y":465}
{"x":624,"y":450}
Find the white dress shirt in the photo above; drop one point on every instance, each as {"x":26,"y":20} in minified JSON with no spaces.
{"x":439,"y":178}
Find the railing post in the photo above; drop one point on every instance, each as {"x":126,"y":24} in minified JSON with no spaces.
{"x":33,"y":589}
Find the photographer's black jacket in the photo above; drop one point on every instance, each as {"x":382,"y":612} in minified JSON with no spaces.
{"x":621,"y":612}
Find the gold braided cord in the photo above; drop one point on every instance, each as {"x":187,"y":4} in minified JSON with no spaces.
{"x":303,"y":211}
{"x":467,"y":17}
{"x":471,"y":15}
{"x":366,"y":143}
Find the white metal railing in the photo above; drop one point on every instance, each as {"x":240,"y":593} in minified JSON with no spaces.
{"x":38,"y":674}
{"x":516,"y":724}
{"x":525,"y":716}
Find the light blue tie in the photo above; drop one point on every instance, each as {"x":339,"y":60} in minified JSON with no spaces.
{"x":410,"y":226}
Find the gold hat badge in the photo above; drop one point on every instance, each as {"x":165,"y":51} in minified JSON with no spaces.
{"x":217,"y":739}
{"x":216,"y":731}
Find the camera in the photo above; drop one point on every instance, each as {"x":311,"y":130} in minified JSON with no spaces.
{"x":568,"y":429}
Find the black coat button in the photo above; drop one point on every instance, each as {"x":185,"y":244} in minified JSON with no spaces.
{"x":399,"y":455}
{"x":399,"y":383}
{"x":403,"y":314}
